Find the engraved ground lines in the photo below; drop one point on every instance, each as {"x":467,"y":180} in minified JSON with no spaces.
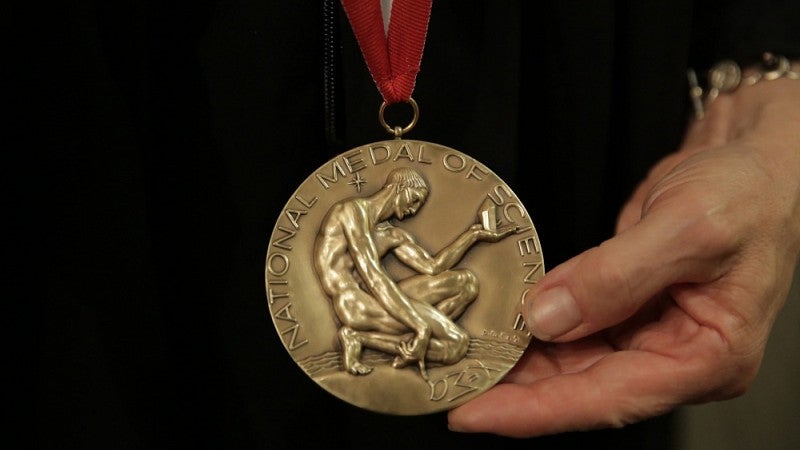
{"x":328,"y":362}
{"x":332,"y":362}
{"x":320,"y":364}
{"x":487,"y":349}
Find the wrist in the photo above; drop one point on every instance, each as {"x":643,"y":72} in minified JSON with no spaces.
{"x":768,"y":110}
{"x":761,"y":121}
{"x":727,"y":76}
{"x":765,"y":123}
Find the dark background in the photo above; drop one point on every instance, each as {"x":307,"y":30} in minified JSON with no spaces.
{"x":177,"y":131}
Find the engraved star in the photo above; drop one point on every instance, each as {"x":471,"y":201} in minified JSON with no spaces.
{"x":357,"y":181}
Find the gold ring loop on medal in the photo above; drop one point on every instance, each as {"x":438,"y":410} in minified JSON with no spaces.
{"x":397,"y":131}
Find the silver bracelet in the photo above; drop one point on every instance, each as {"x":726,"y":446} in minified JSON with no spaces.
{"x":726,"y":76}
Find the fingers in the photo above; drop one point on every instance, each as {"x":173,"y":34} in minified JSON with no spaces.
{"x":405,"y":353}
{"x":621,"y":388}
{"x":544,"y":359}
{"x":608,"y":284}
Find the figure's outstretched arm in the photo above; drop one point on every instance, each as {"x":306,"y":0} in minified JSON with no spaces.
{"x":416,"y":257}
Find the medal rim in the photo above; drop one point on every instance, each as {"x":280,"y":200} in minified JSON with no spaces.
{"x":321,"y":383}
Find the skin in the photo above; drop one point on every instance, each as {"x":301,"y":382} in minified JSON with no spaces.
{"x":412,"y":319}
{"x":677,"y":307}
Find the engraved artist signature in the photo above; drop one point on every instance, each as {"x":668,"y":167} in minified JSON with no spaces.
{"x":457,"y":384}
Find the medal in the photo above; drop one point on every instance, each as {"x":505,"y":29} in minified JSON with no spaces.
{"x":395,"y":272}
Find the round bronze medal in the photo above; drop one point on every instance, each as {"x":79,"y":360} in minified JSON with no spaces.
{"x":394,"y":277}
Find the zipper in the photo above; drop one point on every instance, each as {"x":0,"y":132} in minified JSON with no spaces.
{"x":332,"y":75}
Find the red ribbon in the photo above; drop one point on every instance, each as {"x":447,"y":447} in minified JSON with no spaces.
{"x":393,"y":58}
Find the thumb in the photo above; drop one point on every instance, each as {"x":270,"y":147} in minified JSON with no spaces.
{"x":608,"y":284}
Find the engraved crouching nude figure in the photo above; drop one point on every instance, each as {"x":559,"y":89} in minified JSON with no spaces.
{"x":414,"y":318}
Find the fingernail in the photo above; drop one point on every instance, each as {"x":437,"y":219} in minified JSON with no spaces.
{"x":552,"y":313}
{"x":454,"y":428}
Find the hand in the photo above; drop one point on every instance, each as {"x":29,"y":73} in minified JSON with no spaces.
{"x":677,"y":307}
{"x":415,"y":351}
{"x":482,"y":234}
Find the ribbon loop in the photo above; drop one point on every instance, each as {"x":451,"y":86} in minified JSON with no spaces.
{"x":393,"y":58}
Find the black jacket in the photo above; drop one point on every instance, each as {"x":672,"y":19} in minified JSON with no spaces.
{"x":182,"y":129}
